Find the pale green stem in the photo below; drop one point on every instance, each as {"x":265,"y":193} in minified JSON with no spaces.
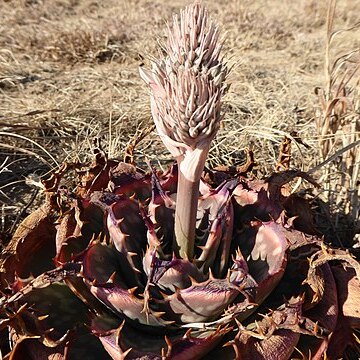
{"x":185,"y":216}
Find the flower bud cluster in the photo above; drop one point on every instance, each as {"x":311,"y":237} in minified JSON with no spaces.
{"x":188,"y":82}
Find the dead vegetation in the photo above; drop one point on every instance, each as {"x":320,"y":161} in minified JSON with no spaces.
{"x":69,"y":74}
{"x":338,"y":130}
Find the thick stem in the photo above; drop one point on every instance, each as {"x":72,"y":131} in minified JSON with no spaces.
{"x":185,"y":216}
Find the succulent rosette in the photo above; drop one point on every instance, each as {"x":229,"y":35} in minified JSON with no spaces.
{"x":176,"y":264}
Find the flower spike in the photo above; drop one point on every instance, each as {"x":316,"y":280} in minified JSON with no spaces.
{"x":186,"y":90}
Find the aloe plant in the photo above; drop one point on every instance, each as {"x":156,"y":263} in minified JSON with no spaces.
{"x":169,"y":265}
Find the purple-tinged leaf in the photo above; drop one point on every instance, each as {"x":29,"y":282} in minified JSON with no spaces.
{"x":124,"y":342}
{"x":264,"y":247}
{"x":201,"y":302}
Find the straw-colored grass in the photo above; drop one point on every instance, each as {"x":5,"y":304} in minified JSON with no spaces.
{"x":69,"y":74}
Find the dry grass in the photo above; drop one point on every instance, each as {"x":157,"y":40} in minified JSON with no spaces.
{"x":338,"y":127}
{"x":69,"y":74}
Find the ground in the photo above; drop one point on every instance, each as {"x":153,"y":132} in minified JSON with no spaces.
{"x":69,"y":75}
